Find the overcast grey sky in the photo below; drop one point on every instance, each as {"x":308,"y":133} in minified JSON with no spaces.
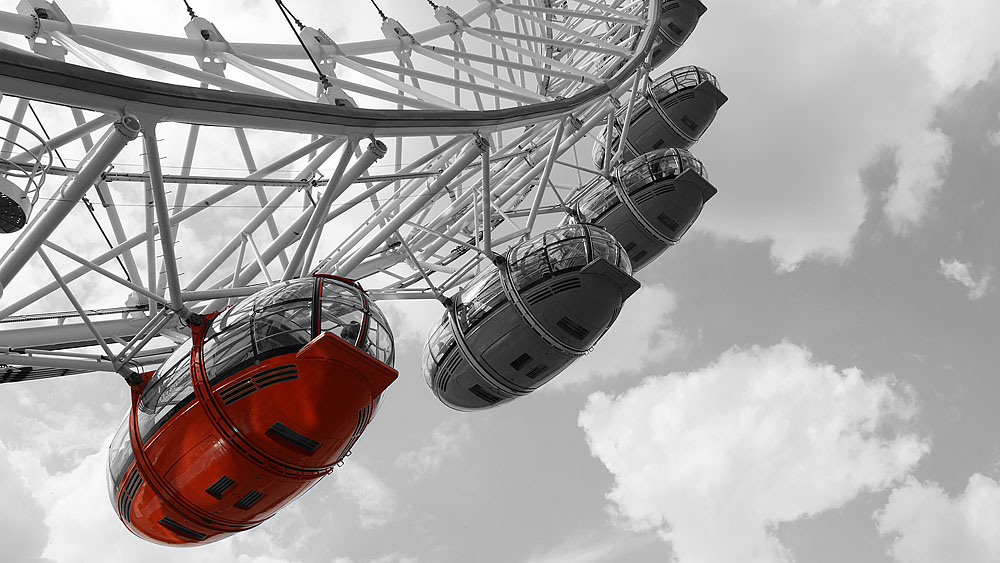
{"x":810,"y":376}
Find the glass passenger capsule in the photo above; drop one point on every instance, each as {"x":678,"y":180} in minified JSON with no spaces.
{"x":649,"y":203}
{"x":250,"y":412}
{"x":675,"y":113}
{"x":678,"y":18}
{"x":517,"y":325}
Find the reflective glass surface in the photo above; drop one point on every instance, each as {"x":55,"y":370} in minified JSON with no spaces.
{"x":168,"y":390}
{"x":119,"y":458}
{"x":681,"y":79}
{"x":656,"y":166}
{"x":561,"y":249}
{"x":598,"y":198}
{"x":481,"y":297}
{"x":441,"y":340}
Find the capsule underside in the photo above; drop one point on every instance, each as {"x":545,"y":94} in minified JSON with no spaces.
{"x":505,"y":339}
{"x":681,"y":107}
{"x":265,"y":432}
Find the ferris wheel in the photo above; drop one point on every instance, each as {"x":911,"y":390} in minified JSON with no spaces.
{"x":170,"y":178}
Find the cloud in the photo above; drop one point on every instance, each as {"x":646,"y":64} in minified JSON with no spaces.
{"x":23,"y":534}
{"x":377,"y":503}
{"x":591,"y":548}
{"x":643,"y":329}
{"x":412,"y":320}
{"x":961,"y":272}
{"x":447,"y":440}
{"x":760,"y":437}
{"x":815,"y":103}
{"x":920,"y":162}
{"x":929,"y":526}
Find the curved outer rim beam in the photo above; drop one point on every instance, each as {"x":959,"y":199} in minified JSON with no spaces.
{"x":30,"y":76}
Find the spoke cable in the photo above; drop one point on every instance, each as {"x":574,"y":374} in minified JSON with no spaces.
{"x":86,"y":202}
{"x":289,"y":16}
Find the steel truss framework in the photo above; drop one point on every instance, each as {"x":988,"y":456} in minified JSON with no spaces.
{"x":427,"y":153}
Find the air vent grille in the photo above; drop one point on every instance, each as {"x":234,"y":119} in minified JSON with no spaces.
{"x":668,"y":221}
{"x":573,"y":328}
{"x":125,"y":502}
{"x":536,"y":297}
{"x":675,"y":99}
{"x":178,"y":528}
{"x":566,"y":285}
{"x":241,"y":389}
{"x":483,"y":394}
{"x":275,"y":375}
{"x":643,"y":195}
{"x":448,"y":370}
{"x":520,"y":361}
{"x":536,"y":371}
{"x":249,"y":500}
{"x":220,"y":487}
{"x":671,"y":6}
{"x":364,"y":416}
{"x":249,"y":385}
{"x":281,"y":433}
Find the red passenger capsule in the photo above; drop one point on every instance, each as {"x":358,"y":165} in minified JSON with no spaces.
{"x":262,"y":402}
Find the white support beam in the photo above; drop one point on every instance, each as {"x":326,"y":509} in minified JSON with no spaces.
{"x":59,"y":207}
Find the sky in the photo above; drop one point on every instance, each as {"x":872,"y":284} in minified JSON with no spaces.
{"x":809,"y":376}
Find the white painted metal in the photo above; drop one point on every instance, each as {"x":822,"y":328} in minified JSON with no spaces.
{"x":481,"y":107}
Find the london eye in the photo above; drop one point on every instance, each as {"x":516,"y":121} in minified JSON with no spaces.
{"x":216,"y":221}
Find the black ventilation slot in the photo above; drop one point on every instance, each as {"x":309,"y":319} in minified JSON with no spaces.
{"x":675,"y":28}
{"x":673,"y":100}
{"x":642,"y":254}
{"x":220,"y":487}
{"x":178,"y":528}
{"x":573,"y":328}
{"x":125,"y":503}
{"x":520,"y":361}
{"x":538,"y":296}
{"x":363,"y":419}
{"x":448,"y":370}
{"x":237,"y":391}
{"x":643,"y":195}
{"x":672,"y":6}
{"x":565,"y":285}
{"x":484,"y":394}
{"x":665,"y":188}
{"x":280,"y":432}
{"x":629,"y":246}
{"x":668,"y":222}
{"x":249,"y":500}
{"x":536,"y":371}
{"x":275,"y":375}
{"x":659,"y":143}
{"x":347,"y":448}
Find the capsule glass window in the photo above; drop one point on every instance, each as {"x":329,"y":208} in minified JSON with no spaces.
{"x":438,"y":345}
{"x":341,"y":311}
{"x":483,"y":296}
{"x":598,"y":199}
{"x":229,"y":350}
{"x":168,"y":390}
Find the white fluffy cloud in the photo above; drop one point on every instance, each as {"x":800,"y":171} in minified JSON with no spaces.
{"x":643,"y":328}
{"x":24,"y":536}
{"x":961,"y":272}
{"x":818,"y":91}
{"x":447,"y":440}
{"x":929,"y":526}
{"x":376,"y":501}
{"x":760,"y":437}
